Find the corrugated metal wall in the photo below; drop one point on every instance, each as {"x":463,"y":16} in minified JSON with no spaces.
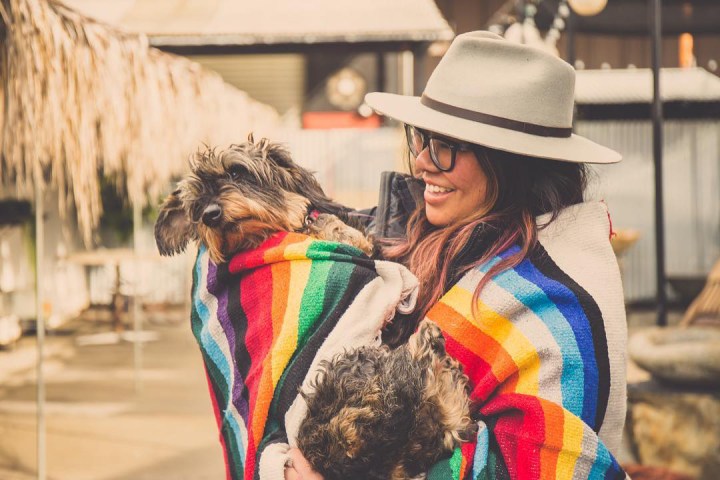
{"x":348,"y":162}
{"x":277,"y":80}
{"x":692,"y":195}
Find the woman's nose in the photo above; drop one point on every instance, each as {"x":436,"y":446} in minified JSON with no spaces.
{"x":423,"y":163}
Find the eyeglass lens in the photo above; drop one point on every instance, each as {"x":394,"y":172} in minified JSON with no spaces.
{"x":441,"y":152}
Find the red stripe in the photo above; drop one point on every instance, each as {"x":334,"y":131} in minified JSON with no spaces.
{"x":468,"y":453}
{"x":218,"y":420}
{"x":477,"y":369}
{"x":256,"y":256}
{"x":255,"y":290}
{"x":478,"y":346}
{"x":520,"y":432}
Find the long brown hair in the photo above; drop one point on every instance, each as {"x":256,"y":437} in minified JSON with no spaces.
{"x":519,"y":189}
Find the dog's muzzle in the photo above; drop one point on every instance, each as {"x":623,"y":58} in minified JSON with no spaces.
{"x":212,"y":215}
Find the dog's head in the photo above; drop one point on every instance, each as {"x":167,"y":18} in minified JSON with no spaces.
{"x":235,"y":199}
{"x":375,"y":413}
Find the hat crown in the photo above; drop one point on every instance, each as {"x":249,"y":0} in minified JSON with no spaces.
{"x":482,"y":72}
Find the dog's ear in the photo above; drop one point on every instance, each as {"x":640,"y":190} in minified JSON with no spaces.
{"x":173,"y":229}
{"x":276,"y":153}
{"x":303,"y":181}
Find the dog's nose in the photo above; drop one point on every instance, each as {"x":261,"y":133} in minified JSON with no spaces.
{"x":211,"y":215}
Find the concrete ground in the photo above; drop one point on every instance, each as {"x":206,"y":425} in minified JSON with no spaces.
{"x":101,"y":426}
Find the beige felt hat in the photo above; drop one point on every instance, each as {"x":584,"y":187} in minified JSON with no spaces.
{"x":503,"y":95}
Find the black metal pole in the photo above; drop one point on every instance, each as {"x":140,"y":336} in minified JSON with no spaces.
{"x":570,"y":39}
{"x":657,"y":117}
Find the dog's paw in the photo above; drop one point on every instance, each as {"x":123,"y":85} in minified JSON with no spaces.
{"x":427,"y":340}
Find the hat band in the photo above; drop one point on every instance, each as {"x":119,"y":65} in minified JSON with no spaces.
{"x":501,"y":122}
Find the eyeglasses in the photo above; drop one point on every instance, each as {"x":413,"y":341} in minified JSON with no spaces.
{"x":442,"y":150}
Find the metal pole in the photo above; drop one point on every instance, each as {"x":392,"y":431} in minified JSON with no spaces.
{"x":657,"y":116}
{"x":570,"y":39}
{"x":39,"y":319}
{"x":137,"y":317}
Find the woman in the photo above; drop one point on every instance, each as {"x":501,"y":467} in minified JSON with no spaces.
{"x":516,"y":269}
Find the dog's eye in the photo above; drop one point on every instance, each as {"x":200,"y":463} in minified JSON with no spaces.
{"x":237,"y":171}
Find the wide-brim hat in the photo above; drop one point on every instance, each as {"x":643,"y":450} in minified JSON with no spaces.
{"x":499,"y":94}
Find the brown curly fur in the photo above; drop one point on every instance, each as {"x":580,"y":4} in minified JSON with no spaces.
{"x":376,"y":413}
{"x":260,"y":191}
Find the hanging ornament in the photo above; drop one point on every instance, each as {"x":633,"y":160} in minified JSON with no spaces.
{"x":564,"y":10}
{"x":587,"y":8}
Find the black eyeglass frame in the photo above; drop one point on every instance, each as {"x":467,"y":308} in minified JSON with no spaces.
{"x":427,"y":137}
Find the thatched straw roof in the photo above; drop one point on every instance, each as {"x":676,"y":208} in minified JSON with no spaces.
{"x":85,"y":99}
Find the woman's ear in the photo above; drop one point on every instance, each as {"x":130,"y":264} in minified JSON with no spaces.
{"x":173,"y":229}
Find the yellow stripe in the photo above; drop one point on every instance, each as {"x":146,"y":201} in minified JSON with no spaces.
{"x":502,"y":330}
{"x":573,"y":432}
{"x":286,"y":342}
{"x":298,"y":251}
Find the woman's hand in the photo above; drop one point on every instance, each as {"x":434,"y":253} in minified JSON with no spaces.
{"x":300,"y":469}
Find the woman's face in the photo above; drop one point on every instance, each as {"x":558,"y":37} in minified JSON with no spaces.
{"x":454,"y":195}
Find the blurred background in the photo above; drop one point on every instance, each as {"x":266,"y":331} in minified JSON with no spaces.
{"x":104,"y":100}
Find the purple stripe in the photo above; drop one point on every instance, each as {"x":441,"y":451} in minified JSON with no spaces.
{"x":221,"y":293}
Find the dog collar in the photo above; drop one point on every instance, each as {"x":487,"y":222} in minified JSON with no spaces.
{"x":311,"y":216}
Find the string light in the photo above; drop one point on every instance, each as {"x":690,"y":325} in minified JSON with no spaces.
{"x":587,"y":7}
{"x":527,"y":31}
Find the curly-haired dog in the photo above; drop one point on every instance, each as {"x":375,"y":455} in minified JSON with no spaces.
{"x":379,"y":414}
{"x":236,"y":199}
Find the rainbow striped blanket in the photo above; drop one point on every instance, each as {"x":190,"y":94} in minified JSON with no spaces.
{"x":545,"y":357}
{"x":267,"y":318}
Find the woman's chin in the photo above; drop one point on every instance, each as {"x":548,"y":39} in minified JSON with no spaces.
{"x":437,"y":217}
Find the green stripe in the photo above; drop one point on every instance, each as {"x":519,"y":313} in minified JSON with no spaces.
{"x":456,"y":462}
{"x":447,"y":469}
{"x":337,"y":274}
{"x":236,"y":465}
{"x":340,"y":252}
{"x":311,"y":304}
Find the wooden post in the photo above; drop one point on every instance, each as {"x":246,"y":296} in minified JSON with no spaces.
{"x":39,"y":319}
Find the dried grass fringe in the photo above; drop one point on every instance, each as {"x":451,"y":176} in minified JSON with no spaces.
{"x":85,"y":99}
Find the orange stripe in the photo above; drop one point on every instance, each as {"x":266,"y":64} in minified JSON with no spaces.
{"x":474,"y":339}
{"x":510,"y":385}
{"x":280,"y":293}
{"x":554,"y":427}
{"x":264,"y":398}
{"x":277,"y":252}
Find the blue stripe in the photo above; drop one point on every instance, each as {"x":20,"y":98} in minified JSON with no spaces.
{"x":214,"y":352}
{"x":481,"y":450}
{"x":535,"y":299}
{"x":567,"y":303}
{"x":605,"y":466}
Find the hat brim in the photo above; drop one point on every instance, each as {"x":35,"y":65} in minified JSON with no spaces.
{"x":409,"y":110}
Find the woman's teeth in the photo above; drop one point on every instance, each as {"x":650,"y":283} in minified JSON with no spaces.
{"x":436,"y":189}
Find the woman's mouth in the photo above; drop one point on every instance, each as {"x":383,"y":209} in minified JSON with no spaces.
{"x":436,"y":193}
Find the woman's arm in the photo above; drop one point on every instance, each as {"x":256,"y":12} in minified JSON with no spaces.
{"x":537,"y":357}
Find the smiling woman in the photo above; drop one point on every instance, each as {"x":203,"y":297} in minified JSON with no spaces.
{"x":514,"y":265}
